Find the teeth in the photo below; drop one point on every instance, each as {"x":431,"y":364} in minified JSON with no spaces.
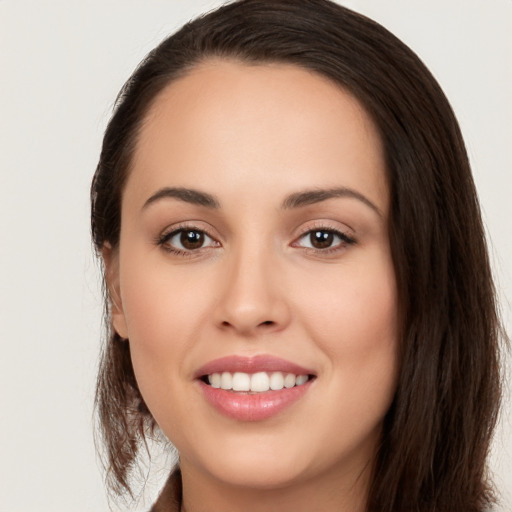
{"x":241,"y":382}
{"x":276,"y":381}
{"x":256,"y":382}
{"x":290,"y":380}
{"x":226,"y":381}
{"x":215,"y":380}
{"x":260,"y":382}
{"x":301,"y":379}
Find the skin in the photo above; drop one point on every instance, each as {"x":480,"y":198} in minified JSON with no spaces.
{"x":252,"y":135}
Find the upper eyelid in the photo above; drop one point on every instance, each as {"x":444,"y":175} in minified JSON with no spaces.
{"x":164,"y":237}
{"x":347,"y":234}
{"x":305,"y":229}
{"x":163,"y":240}
{"x":326,"y":225}
{"x":345,"y":237}
{"x":172,"y":233}
{"x":186,"y":226}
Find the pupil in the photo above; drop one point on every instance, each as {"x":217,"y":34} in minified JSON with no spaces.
{"x":321,"y":239}
{"x":192,"y":239}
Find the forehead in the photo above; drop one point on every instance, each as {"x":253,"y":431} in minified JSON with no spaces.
{"x":226,"y":121}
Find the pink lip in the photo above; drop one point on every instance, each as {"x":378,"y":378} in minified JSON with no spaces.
{"x":248,"y":406}
{"x":253,"y":407}
{"x":261,"y":363}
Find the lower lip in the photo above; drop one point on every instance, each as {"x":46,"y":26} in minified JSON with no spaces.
{"x":253,"y":407}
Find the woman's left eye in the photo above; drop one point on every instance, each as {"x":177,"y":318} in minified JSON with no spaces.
{"x":324,"y":239}
{"x":186,"y":240}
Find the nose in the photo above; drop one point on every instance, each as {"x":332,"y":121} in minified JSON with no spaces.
{"x":252,"y":296}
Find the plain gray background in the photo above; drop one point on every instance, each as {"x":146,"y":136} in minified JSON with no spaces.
{"x":61,"y":66}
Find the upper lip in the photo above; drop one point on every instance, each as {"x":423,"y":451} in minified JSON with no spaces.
{"x":253,"y":364}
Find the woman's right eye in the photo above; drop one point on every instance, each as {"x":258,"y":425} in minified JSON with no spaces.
{"x":186,"y":240}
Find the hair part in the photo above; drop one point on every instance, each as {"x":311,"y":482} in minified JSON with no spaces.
{"x":437,"y":433}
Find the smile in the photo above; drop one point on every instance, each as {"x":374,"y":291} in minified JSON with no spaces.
{"x":259,"y":382}
{"x":253,"y":388}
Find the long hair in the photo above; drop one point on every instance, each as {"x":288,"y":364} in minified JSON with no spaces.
{"x":437,"y":432}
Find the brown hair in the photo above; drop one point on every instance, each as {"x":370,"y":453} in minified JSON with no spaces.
{"x":436,"y":435}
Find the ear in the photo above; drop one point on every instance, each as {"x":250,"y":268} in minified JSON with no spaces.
{"x":111,"y":262}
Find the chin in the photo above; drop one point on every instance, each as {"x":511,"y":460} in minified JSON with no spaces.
{"x":258,"y":473}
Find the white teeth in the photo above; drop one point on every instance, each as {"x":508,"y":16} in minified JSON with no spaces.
{"x":276,"y":381}
{"x":301,"y":379}
{"x":289,"y":380}
{"x":256,"y":382}
{"x":226,"y":380}
{"x":260,"y":382}
{"x":241,"y":382}
{"x":214,"y":379}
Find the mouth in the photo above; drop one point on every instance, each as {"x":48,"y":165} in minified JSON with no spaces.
{"x":253,"y":388}
{"x":259,"y":382}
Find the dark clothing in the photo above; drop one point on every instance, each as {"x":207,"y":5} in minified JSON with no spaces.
{"x":170,"y":497}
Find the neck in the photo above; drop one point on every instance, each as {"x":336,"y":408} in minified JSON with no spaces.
{"x":342,"y":491}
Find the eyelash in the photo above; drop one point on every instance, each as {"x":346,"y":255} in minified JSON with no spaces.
{"x":163,"y":240}
{"x":345,"y":240}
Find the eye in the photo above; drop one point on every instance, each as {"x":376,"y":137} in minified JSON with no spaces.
{"x":185,"y":240}
{"x":324,"y":239}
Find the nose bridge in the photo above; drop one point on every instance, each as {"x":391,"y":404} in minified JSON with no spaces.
{"x":251,"y":297}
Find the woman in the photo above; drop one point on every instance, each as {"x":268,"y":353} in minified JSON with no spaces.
{"x":298,"y":288}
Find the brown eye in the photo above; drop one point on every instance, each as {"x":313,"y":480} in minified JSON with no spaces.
{"x":321,"y":239}
{"x":192,"y":239}
{"x":324,"y":239}
{"x":186,"y":240}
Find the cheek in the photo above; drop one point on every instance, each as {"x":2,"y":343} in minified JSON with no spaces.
{"x":357,"y":305}
{"x":160,"y":324}
{"x":353,"y":318}
{"x":165,"y":310}
{"x":159,"y":300}
{"x":150,"y":304}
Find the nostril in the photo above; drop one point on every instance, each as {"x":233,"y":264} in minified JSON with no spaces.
{"x":248,"y":324}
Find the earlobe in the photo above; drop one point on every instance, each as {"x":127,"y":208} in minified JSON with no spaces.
{"x":111,"y":262}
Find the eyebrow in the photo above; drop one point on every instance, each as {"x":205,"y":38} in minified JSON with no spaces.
{"x":308,"y":197}
{"x":296,"y":200}
{"x":187,"y":195}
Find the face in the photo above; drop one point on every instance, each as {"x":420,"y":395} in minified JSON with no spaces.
{"x":253,"y":277}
